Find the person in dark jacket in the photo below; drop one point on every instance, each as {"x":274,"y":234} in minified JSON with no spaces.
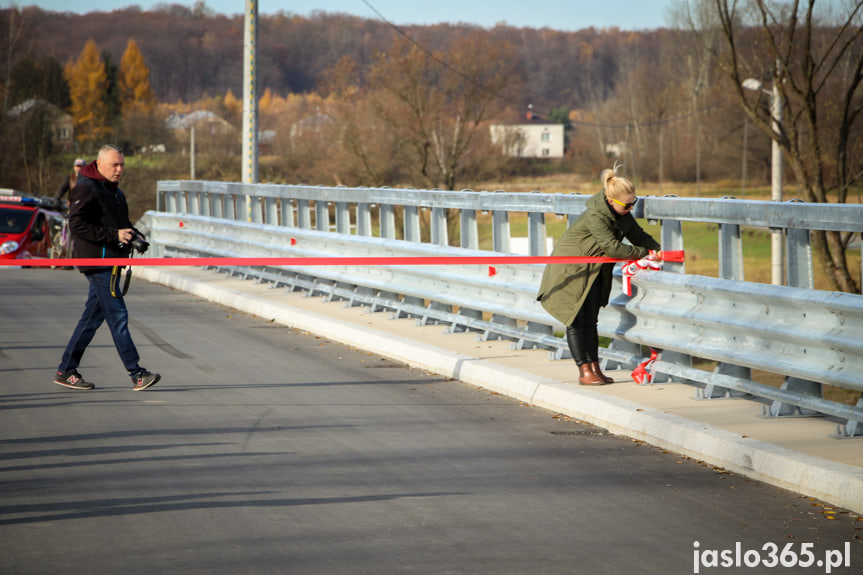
{"x":574,"y":293}
{"x":100,"y":226}
{"x":70,"y":181}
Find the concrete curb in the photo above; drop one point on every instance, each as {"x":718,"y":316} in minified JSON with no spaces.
{"x":801,"y":473}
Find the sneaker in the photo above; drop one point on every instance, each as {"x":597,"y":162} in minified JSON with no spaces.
{"x":72,"y":380}
{"x":145,"y":379}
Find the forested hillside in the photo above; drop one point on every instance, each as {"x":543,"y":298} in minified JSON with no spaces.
{"x":191,"y":54}
{"x":661,"y":101}
{"x":610,"y":86}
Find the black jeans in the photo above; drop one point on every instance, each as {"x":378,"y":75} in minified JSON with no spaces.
{"x":581,"y":334}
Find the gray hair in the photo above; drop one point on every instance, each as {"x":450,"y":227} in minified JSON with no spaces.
{"x":109,"y":148}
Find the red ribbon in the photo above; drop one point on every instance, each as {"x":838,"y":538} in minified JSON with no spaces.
{"x":491,"y":261}
{"x":641,"y":374}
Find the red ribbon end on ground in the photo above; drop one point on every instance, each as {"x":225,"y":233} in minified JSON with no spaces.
{"x":492,"y":271}
{"x":293,"y":241}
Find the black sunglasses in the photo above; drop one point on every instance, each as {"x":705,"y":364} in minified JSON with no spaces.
{"x":628,"y":206}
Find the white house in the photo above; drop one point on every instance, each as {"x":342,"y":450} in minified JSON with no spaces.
{"x":532,"y":137}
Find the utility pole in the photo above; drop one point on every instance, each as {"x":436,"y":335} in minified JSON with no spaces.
{"x":776,"y":236}
{"x":776,"y":179}
{"x":250,"y":101}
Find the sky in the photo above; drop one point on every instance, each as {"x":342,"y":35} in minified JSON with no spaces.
{"x":567,"y":15}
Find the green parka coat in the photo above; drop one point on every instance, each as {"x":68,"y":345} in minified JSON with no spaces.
{"x":598,"y":232}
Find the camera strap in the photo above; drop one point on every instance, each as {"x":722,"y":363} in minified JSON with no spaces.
{"x":116,"y":291}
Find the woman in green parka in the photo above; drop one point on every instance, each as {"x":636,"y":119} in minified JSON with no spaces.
{"x":573,"y":293}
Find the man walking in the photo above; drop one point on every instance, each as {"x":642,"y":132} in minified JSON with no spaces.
{"x":100,"y":226}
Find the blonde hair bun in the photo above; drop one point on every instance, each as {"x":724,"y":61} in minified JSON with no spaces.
{"x":615,"y":188}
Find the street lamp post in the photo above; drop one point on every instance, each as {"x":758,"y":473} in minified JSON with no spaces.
{"x":776,"y":267}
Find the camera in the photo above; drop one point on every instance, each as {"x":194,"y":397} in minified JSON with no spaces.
{"x":139,"y":244}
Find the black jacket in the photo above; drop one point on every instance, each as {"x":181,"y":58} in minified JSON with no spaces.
{"x":97,"y":211}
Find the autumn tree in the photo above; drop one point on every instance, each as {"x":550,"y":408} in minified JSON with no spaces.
{"x":232,"y":108}
{"x":815,"y":62}
{"x":88,"y":83}
{"x":136,"y":95}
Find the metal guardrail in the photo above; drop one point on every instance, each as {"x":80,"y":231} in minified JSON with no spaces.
{"x":809,"y":337}
{"x":508,"y":296}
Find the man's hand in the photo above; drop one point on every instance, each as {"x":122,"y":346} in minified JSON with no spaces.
{"x":125,"y":235}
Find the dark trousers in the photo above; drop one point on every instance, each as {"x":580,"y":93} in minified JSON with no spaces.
{"x":101,"y":306}
{"x":582,"y":336}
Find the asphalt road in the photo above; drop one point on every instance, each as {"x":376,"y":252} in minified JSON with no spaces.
{"x":268,"y":450}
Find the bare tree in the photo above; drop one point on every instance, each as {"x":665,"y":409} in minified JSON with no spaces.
{"x":816,"y":63}
{"x":364,"y":151}
{"x":436,"y":105}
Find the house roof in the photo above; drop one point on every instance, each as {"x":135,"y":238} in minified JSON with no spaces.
{"x":528,"y":118}
{"x":32,"y":103}
{"x":184,"y":121}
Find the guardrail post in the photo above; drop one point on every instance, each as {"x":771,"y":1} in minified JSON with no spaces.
{"x":490,"y":335}
{"x":536,"y":233}
{"x":712,"y":391}
{"x":430,"y":319}
{"x":730,"y":252}
{"x":675,"y":358}
{"x":852,"y":426}
{"x":171,"y":202}
{"x":343,"y":218}
{"x":534,"y":328}
{"x":253,"y":204}
{"x":798,"y":259}
{"x":216,"y":205}
{"x":387,"y":216}
{"x":500,"y":231}
{"x":412,"y":224}
{"x":322,"y":216}
{"x":617,"y":348}
{"x":439,"y":234}
{"x":800,"y":387}
{"x":672,"y":239}
{"x":671,"y":234}
{"x":195,"y":203}
{"x":364,"y":219}
{"x":271,"y":211}
{"x":287,"y":209}
{"x":229,"y":201}
{"x":456,"y":327}
{"x":469,"y":232}
{"x":304,"y":214}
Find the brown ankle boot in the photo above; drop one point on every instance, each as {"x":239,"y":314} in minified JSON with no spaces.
{"x":587,"y":377}
{"x":594,"y":365}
